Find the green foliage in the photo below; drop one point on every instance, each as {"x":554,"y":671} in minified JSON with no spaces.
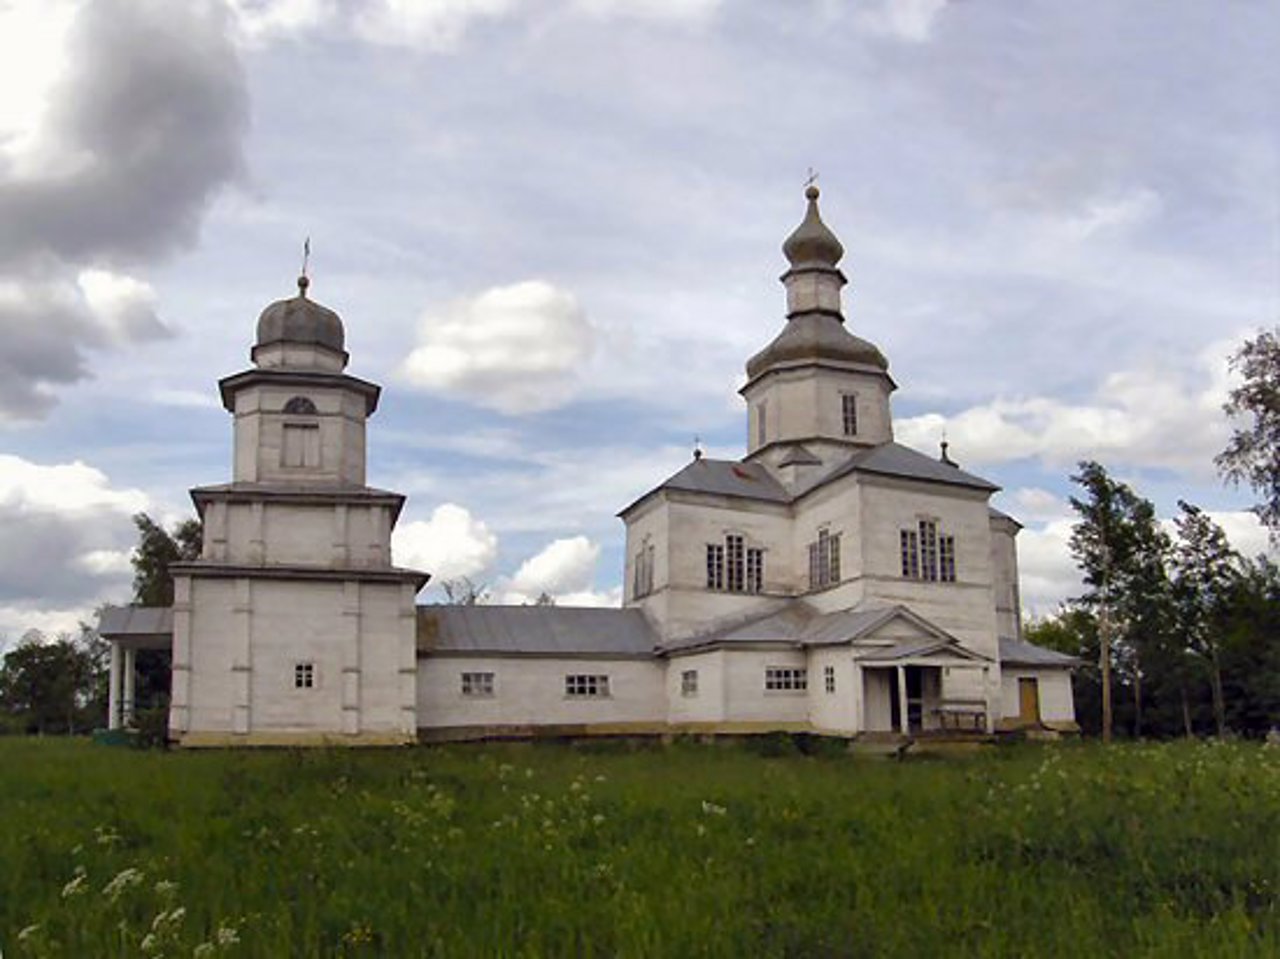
{"x":158,"y":548}
{"x":1253,"y":454}
{"x":513,"y":849}
{"x":53,"y":686}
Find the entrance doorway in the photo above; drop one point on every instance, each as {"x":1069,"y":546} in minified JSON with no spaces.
{"x":1028,"y":701}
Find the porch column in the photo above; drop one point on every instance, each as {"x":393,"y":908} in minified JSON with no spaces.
{"x":904,"y":725}
{"x":130,"y":674}
{"x":113,"y":689}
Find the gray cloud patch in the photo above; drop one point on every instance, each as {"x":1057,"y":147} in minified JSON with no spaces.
{"x":150,"y":117}
{"x":143,"y":130}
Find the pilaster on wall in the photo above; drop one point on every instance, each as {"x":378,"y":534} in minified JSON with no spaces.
{"x":180,"y":677}
{"x":338,"y":554}
{"x":352,"y":633}
{"x":258,"y":537}
{"x":241,"y":640}
{"x":408,"y":660}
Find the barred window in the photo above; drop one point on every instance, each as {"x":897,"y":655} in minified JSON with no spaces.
{"x":929,"y":549}
{"x":824,"y":560}
{"x":947,"y":559}
{"x":304,"y":676}
{"x":926,"y":554}
{"x":715,"y":566}
{"x":578,"y":686}
{"x":785,"y":679}
{"x":689,"y":682}
{"x":910,"y":543}
{"x":477,"y":684}
{"x":849,"y":411}
{"x":734,"y":566}
{"x":734,"y":558}
{"x":829,"y":678}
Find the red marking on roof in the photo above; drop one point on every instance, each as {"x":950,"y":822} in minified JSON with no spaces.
{"x":739,"y":472}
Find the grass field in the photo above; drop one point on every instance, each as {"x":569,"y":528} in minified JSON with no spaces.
{"x":601,"y":850}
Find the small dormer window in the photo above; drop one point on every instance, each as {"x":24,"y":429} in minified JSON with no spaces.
{"x":301,"y":406}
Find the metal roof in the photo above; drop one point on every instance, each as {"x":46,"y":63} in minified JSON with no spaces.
{"x":724,"y":478}
{"x":126,"y":621}
{"x":894,"y":459}
{"x":535,"y":630}
{"x":1017,"y":652}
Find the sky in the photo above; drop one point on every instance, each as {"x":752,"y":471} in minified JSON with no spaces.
{"x":553,"y":229}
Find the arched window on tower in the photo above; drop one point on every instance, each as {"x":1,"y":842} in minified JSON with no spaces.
{"x":301,"y":406}
{"x":300,"y":446}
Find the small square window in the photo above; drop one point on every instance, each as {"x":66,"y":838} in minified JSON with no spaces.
{"x":477,"y":684}
{"x":304,"y":676}
{"x":829,"y":678}
{"x":689,"y":682}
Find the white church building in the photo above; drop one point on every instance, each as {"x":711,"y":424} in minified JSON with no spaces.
{"x":831,"y":581}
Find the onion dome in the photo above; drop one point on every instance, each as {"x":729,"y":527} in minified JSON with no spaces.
{"x":812,"y":243}
{"x":812,"y":339}
{"x":302,"y":321}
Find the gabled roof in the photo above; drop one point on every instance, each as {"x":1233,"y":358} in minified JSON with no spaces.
{"x":723,"y":478}
{"x":798,"y":624}
{"x":894,"y":459}
{"x":918,"y":649}
{"x":799,"y":455}
{"x":1017,"y":652}
{"x":535,"y":631}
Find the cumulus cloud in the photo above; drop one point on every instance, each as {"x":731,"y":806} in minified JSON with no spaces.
{"x":1153,"y":417}
{"x":262,"y":21}
{"x":515,"y":349}
{"x":436,"y":25}
{"x":449,"y":545}
{"x":67,"y":535}
{"x":564,"y":570}
{"x":119,"y":123}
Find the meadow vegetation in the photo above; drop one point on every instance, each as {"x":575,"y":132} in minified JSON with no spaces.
{"x":608,"y":850}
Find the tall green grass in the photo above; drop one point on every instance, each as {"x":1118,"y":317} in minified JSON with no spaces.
{"x":546,"y":850}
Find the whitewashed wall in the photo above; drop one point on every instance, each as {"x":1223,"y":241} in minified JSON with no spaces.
{"x":747,"y":700}
{"x":1004,"y":574}
{"x":837,"y":712}
{"x":1056,"y":702}
{"x":708,"y":706}
{"x":531,"y":691}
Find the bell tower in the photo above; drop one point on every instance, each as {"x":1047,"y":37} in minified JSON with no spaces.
{"x":817,"y":393}
{"x":294,"y":626}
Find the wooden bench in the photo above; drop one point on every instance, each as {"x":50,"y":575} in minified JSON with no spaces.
{"x":962,"y":714}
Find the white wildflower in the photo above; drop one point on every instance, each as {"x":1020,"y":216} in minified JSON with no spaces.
{"x":76,"y":886}
{"x":123,"y":880}
{"x":227,"y":936}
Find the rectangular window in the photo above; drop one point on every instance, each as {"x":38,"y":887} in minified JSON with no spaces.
{"x":824,"y":560}
{"x":734,"y":564}
{"x":829,"y":678}
{"x":755,"y":570}
{"x":929,"y":549}
{"x":785,"y":679}
{"x":301,"y":445}
{"x":477,"y":684}
{"x":649,"y":553}
{"x":849,"y":409}
{"x":715,"y":566}
{"x":689,"y":682}
{"x":304,"y":676}
{"x":586,"y":686}
{"x":947,"y":559}
{"x":910,"y":542}
{"x":642,"y":578}
{"x":761,"y":431}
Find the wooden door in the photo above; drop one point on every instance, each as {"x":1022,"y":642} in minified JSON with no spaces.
{"x":1028,"y":700}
